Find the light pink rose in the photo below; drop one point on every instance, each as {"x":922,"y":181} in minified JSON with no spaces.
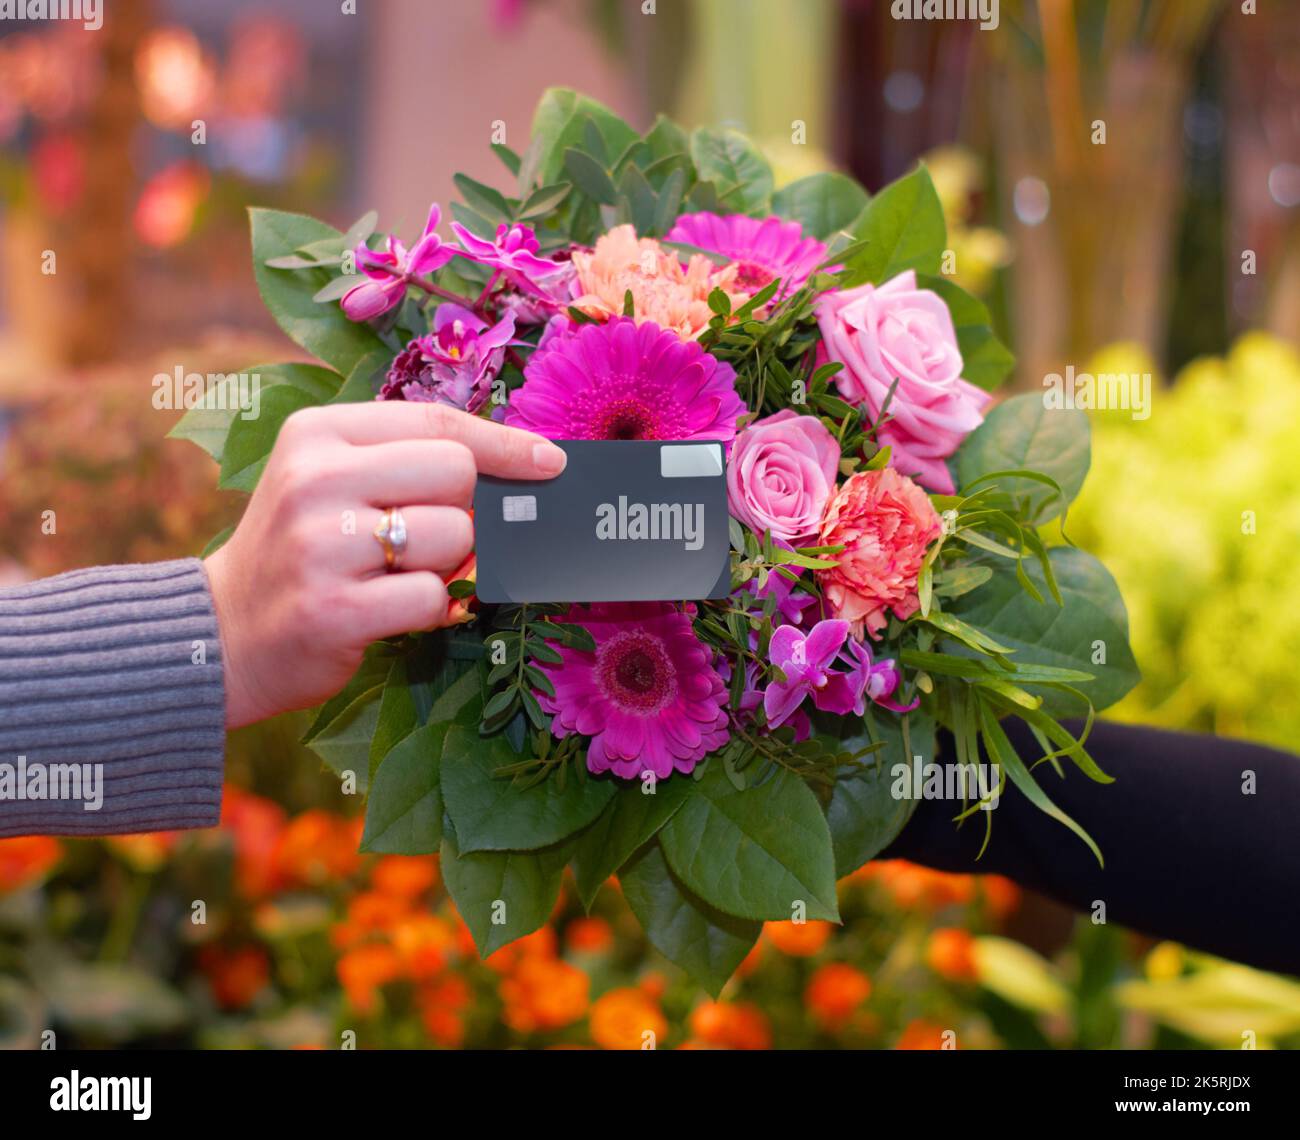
{"x":879,"y":332}
{"x":781,"y":473}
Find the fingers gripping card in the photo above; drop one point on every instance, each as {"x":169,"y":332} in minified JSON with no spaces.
{"x":626,"y":521}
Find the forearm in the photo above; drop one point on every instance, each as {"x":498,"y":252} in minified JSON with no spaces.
{"x":112,"y":702}
{"x":1189,"y":854}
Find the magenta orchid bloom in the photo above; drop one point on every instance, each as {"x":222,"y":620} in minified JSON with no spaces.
{"x":808,"y":660}
{"x":513,"y":253}
{"x":879,"y":679}
{"x":390,"y":270}
{"x":455,"y":364}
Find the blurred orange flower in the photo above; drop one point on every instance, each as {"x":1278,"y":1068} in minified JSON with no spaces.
{"x":147,"y":851}
{"x":440,"y":1005}
{"x":317,"y":847}
{"x":835,"y":991}
{"x":543,"y":994}
{"x":921,"y":1034}
{"x":949,"y":953}
{"x":798,"y":939}
{"x":539,"y":944}
{"x":730,"y":1025}
{"x":424,"y":942}
{"x":1001,"y":896}
{"x":911,"y":885}
{"x":26,"y":860}
{"x":255,"y":825}
{"x":588,"y":936}
{"x":621,"y":1018}
{"x":406,"y":876}
{"x":364,"y":969}
{"x":236,"y":975}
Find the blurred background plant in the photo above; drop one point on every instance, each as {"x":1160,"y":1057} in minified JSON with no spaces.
{"x":1122,"y":185}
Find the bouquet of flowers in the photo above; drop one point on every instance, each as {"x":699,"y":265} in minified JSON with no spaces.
{"x":727,"y":760}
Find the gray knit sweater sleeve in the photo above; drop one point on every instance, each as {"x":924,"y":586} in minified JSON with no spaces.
{"x":112,"y":702}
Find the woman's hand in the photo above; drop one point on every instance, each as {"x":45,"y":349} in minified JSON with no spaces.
{"x":301,"y":589}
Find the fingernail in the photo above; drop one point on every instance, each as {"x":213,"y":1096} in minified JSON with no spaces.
{"x":550,"y":460}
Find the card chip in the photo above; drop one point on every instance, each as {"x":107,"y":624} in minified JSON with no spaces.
{"x":519,"y":508}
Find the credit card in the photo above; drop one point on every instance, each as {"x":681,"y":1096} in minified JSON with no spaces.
{"x":625,"y":521}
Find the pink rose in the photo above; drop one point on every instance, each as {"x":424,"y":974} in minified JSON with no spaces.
{"x":781,"y":473}
{"x":879,"y":332}
{"x":885,"y":522}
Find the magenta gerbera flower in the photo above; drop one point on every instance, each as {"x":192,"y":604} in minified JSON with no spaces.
{"x":647,"y":696}
{"x":621,"y":380}
{"x":762,"y":249}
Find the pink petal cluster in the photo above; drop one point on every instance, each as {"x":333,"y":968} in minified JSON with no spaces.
{"x":648,"y":695}
{"x":389,"y":271}
{"x":885,"y":522}
{"x":895,"y":330}
{"x":622,"y":380}
{"x":781,"y":473}
{"x":761,"y":249}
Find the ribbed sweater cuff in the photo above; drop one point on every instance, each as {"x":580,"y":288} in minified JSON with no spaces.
{"x":111,"y":690}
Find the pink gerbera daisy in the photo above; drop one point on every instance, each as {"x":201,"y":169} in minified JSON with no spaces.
{"x":761,"y":249}
{"x":647,"y":696}
{"x":621,"y":380}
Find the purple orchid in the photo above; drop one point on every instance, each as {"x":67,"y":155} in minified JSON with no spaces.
{"x":513,"y":254}
{"x":455,"y":364}
{"x":390,"y":270}
{"x":879,"y":680}
{"x":807,"y":660}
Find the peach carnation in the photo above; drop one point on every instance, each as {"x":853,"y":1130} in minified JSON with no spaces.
{"x":663,"y":291}
{"x":884,"y":521}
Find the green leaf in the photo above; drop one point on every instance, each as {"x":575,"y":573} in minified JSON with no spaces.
{"x":1021,"y":433}
{"x":397,"y":715}
{"x":821,"y":203}
{"x":559,"y":123}
{"x":483,"y":199}
{"x":344,"y":744}
{"x":636,"y":201}
{"x":501,"y":895}
{"x":249,"y":444}
{"x":633,"y":819}
{"x":904,"y":228}
{"x":863,"y":814}
{"x":702,"y":940}
{"x":986,"y":361}
{"x":543,"y":200}
{"x":1044,"y":633}
{"x":362,"y":382}
{"x":492,"y":813}
{"x":753,"y":853}
{"x":404,"y":809}
{"x":208,"y":422}
{"x":736,"y":167}
{"x":322,"y":330}
{"x":590,"y":176}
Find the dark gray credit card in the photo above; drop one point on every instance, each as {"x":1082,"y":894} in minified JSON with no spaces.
{"x":625,"y":521}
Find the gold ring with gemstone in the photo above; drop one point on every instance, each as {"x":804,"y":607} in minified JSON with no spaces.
{"x":390,"y":532}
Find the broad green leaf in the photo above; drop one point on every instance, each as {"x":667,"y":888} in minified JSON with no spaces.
{"x":397,"y":715}
{"x":754,"y":853}
{"x":559,"y":123}
{"x":492,"y":813}
{"x":735,"y":166}
{"x":208,"y":422}
{"x":986,"y":361}
{"x":1093,"y":621}
{"x":632,"y":819}
{"x":404,"y":808}
{"x":904,"y":229}
{"x":703,"y":941}
{"x":363,"y":381}
{"x":1021,"y":433}
{"x":821,"y":203}
{"x":863,"y":814}
{"x":322,"y":330}
{"x":501,"y":895}
{"x":590,"y":176}
{"x":344,"y":744}
{"x":371,"y":673}
{"x":249,"y":444}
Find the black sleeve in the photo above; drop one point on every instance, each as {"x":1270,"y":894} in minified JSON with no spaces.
{"x":1190,"y":855}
